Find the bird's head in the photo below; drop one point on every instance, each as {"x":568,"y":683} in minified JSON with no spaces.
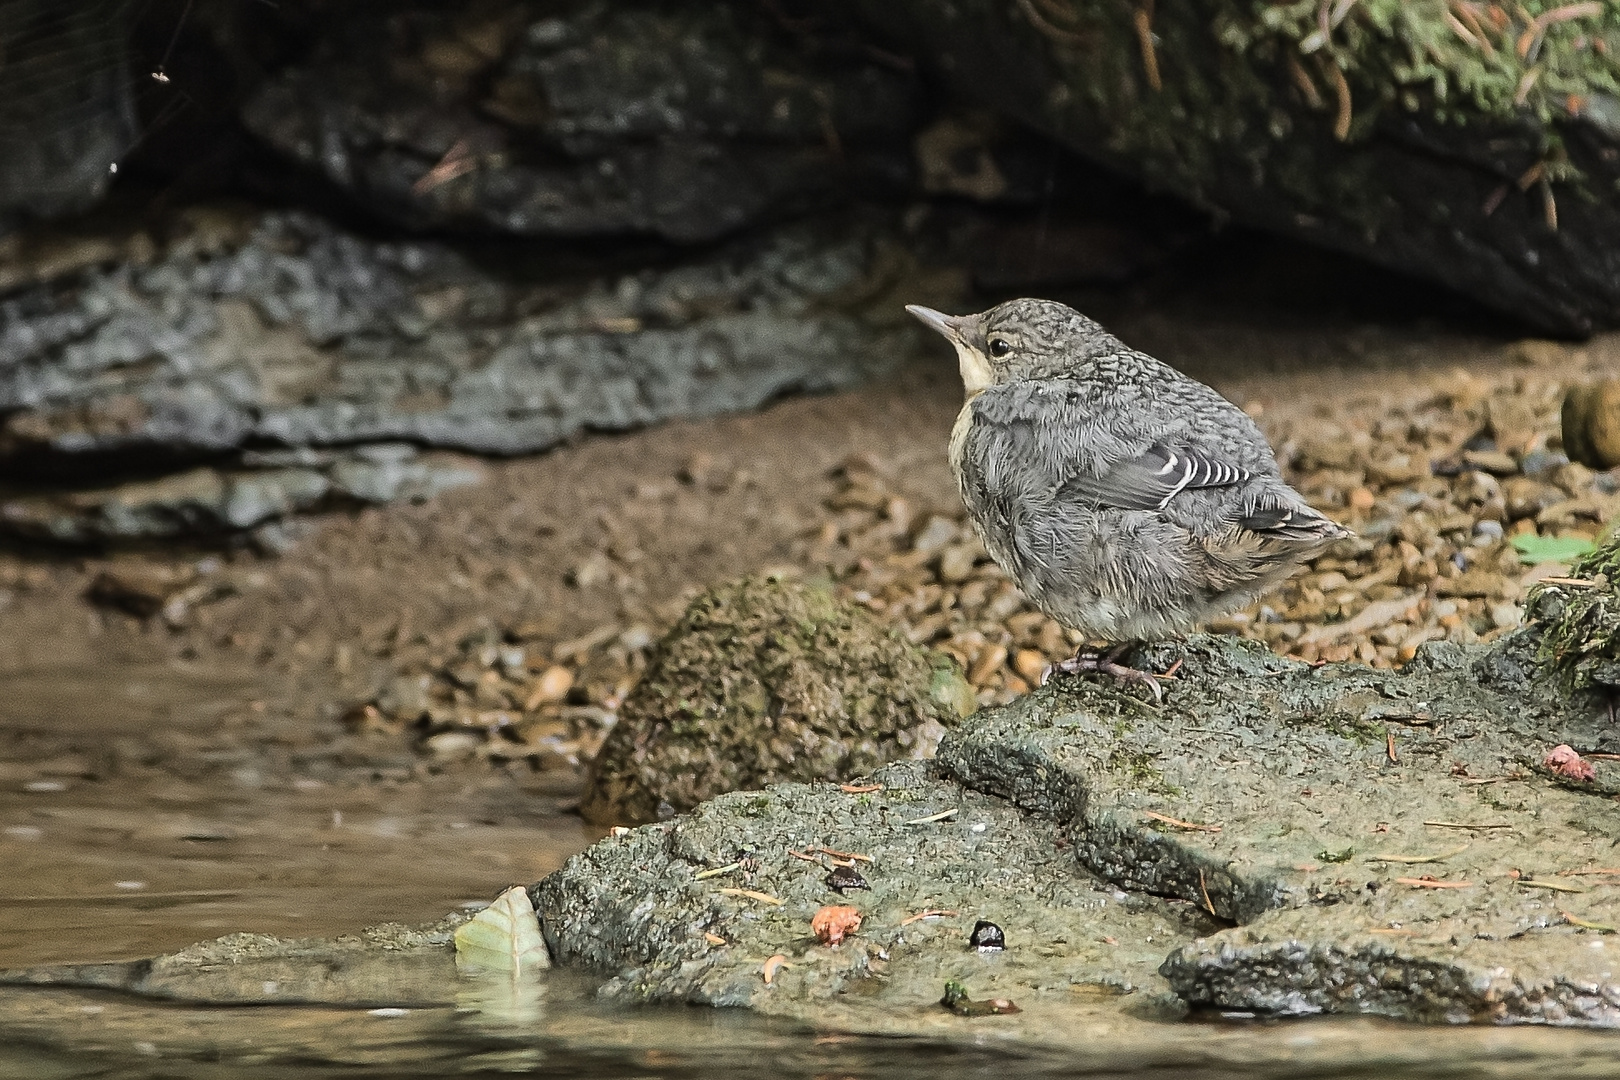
{"x":1021,"y":339}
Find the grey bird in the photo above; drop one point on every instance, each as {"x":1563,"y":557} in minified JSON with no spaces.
{"x":1128,"y":501}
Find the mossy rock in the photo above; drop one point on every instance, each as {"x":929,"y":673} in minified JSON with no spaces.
{"x":1580,"y":624}
{"x":765,"y":680}
{"x":1476,"y":149}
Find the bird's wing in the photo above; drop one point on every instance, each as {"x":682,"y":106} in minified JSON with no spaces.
{"x":1151,"y":479}
{"x":1114,"y":447}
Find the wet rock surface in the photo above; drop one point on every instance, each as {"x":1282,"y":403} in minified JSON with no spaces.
{"x":390,"y":964}
{"x":765,"y":680}
{"x":635,"y":905}
{"x":1386,"y":842}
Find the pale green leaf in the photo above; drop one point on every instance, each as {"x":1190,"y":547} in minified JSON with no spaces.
{"x":1542,"y":549}
{"x":503,"y":937}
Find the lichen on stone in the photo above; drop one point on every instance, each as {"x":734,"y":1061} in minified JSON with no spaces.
{"x":765,"y":680}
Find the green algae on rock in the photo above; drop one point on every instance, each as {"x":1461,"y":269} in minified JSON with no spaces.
{"x":765,"y":680}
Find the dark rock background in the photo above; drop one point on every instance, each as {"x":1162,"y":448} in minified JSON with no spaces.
{"x":232,"y":228}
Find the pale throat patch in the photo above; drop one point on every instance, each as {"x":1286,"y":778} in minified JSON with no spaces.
{"x":976,"y":375}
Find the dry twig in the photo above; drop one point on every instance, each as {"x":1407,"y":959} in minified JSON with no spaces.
{"x":930,"y":914}
{"x":754,"y":895}
{"x":1178,"y":823}
{"x":1142,"y":20}
{"x":1431,"y":883}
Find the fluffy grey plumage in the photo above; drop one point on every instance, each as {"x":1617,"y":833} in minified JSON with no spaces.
{"x":1128,"y":501}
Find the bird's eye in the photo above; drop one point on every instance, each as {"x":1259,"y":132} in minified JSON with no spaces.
{"x":1000,"y":347}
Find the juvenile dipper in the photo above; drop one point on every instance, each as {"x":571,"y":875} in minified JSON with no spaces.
{"x":1128,"y":501}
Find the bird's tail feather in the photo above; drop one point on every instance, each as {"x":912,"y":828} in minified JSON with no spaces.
{"x":1297,"y":523}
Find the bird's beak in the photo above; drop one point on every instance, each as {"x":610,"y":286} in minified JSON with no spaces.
{"x":938,"y":321}
{"x":976,"y":373}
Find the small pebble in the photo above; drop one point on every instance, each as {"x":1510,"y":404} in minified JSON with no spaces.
{"x":957,"y":562}
{"x":844,"y":878}
{"x":987,"y":937}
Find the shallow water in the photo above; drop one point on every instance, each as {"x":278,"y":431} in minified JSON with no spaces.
{"x":140,"y":812}
{"x":553,"y":1028}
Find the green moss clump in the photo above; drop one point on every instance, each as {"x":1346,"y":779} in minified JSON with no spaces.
{"x":1580,"y":624}
{"x":763,"y":681}
{"x":1256,"y":86}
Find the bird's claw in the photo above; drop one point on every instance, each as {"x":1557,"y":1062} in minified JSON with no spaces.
{"x":1086,"y":663}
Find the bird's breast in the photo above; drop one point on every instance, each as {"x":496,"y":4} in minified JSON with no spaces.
{"x":959,"y":437}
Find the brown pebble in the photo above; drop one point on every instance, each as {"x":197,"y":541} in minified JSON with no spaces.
{"x":552,"y":685}
{"x":988,"y":663}
{"x":1494,"y":462}
{"x":957,"y":561}
{"x":1591,"y":424}
{"x":1029,"y":664}
{"x":1051,"y":640}
{"x":1362,"y":499}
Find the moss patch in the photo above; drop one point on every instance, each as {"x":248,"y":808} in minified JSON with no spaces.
{"x":1580,"y":624}
{"x":1262,"y":85}
{"x":764,"y":681}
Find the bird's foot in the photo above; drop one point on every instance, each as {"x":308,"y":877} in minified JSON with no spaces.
{"x":1085,"y":663}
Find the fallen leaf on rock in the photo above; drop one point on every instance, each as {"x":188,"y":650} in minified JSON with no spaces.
{"x":769,"y":970}
{"x":833,"y":923}
{"x":1534,"y":549}
{"x":1565,"y":762}
{"x":503,"y":937}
